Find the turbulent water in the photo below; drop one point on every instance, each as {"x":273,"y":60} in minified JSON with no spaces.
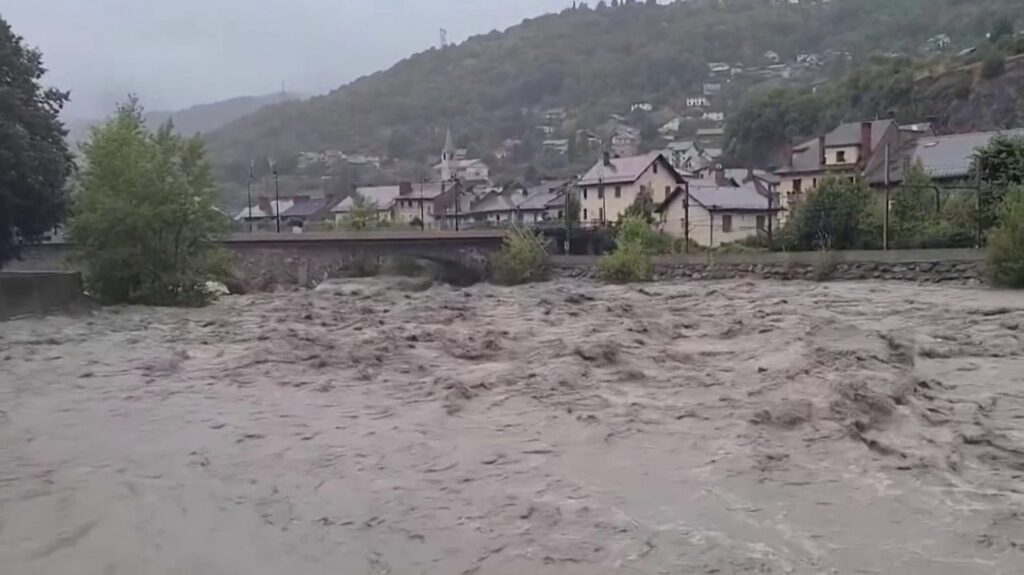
{"x":568,"y":428}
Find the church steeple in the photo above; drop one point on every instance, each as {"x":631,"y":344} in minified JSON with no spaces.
{"x":448,"y":158}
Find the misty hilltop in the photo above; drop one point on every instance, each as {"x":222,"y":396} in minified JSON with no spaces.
{"x":199,"y":119}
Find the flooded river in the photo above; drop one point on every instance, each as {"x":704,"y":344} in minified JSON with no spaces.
{"x":378,"y":427}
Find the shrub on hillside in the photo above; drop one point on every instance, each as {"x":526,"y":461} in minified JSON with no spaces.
{"x":523,"y":259}
{"x":1006,"y":245}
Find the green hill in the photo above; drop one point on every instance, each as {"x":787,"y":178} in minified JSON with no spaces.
{"x":592,"y":62}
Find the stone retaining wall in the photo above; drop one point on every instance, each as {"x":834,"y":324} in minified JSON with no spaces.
{"x":964,"y":269}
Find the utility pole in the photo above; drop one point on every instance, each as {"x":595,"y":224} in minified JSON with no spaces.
{"x":771,"y":216}
{"x":977,"y":193}
{"x":423,"y":221}
{"x":252,"y":165}
{"x":458,"y":201}
{"x":277,"y":193}
{"x":686,"y":217}
{"x":885,"y":220}
{"x":568,"y":223}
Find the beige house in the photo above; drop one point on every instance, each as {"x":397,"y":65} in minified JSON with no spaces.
{"x":614,"y":184}
{"x":849,"y":151}
{"x":415,"y":205}
{"x":383,"y":197}
{"x":711,"y":213}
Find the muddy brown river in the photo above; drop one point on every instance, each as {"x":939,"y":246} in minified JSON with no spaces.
{"x":371,"y":427}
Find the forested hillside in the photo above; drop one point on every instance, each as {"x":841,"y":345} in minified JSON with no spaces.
{"x":592,"y":62}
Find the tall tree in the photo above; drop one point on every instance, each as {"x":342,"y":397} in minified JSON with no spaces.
{"x":144,"y":221}
{"x":34,"y":158}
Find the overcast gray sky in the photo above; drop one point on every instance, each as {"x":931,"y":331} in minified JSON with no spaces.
{"x":176,"y":53}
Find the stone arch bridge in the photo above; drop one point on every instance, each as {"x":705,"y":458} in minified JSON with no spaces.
{"x":265,"y":260}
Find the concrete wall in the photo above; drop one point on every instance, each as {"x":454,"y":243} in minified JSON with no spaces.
{"x":33,"y":293}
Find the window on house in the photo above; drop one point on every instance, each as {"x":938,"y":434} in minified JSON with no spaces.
{"x":600,"y":194}
{"x":814,"y":183}
{"x":798,"y":186}
{"x":762,"y":223}
{"x":584,"y":193}
{"x":600,"y":214}
{"x":668,"y":191}
{"x":726,"y":223}
{"x":841,"y":157}
{"x":618,"y":191}
{"x":585,"y":218}
{"x":655,"y":167}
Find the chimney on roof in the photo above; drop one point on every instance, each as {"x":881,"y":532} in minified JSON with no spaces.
{"x":787,"y":151}
{"x":264,"y":203}
{"x":607,"y":159}
{"x":865,"y":142}
{"x":405,"y":188}
{"x":719,"y":174}
{"x":750,"y":173}
{"x":821,"y":152}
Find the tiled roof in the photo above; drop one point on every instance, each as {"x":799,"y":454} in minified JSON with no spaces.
{"x":714,"y":197}
{"x":383,"y":196}
{"x":620,"y":170}
{"x":308,"y":208}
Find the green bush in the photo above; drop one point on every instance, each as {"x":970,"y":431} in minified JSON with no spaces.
{"x":840,"y":214}
{"x":523,"y":259}
{"x":636,"y":230}
{"x":144,"y":223}
{"x":636,"y":242}
{"x":628,"y":264}
{"x":1006,"y":246}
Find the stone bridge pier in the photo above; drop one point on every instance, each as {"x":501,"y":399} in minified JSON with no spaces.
{"x":265,"y":260}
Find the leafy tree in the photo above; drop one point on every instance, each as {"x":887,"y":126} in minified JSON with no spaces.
{"x":1000,"y":166}
{"x":144,"y":222}
{"x":363,"y":215}
{"x":837,"y":215}
{"x":913,"y":204}
{"x":34,"y":159}
{"x":642,"y":208}
{"x":523,"y":259}
{"x":1006,"y":246}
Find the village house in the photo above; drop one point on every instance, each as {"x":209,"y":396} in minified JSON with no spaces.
{"x":714,"y":116}
{"x":849,"y":151}
{"x":625,"y":141}
{"x":713,"y":212}
{"x":382,"y":198}
{"x":263,"y":215}
{"x":308,"y":211}
{"x":415,"y":204}
{"x":641,"y":107}
{"x":614,"y":184}
{"x":947,"y":160}
{"x":697,"y":102}
{"x":687,"y":156}
{"x":560,"y":147}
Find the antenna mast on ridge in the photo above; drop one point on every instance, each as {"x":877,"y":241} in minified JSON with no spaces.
{"x":444,"y":38}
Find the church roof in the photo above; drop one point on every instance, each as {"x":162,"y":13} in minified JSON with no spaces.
{"x":449,"y":145}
